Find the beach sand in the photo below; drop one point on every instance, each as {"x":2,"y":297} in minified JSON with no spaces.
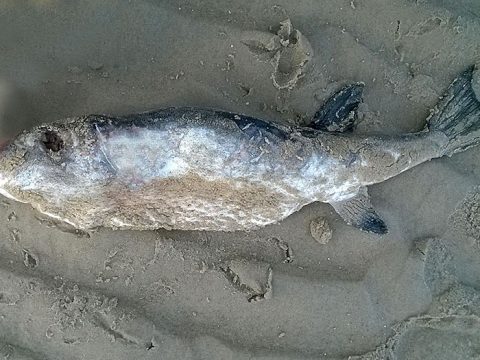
{"x":275,"y":293}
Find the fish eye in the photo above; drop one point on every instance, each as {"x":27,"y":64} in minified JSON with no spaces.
{"x":52,"y":141}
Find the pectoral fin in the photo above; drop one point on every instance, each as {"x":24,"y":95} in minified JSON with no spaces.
{"x":339,"y":112}
{"x":358,"y":211}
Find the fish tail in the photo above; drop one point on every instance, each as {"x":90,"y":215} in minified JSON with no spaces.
{"x":457,"y":115}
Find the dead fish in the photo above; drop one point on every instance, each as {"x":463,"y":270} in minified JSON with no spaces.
{"x":200,"y":169}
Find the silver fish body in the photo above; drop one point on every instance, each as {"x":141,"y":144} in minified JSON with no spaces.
{"x":197,"y":169}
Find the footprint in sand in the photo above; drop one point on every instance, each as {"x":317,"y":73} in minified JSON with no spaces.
{"x":288,"y":51}
{"x":254,"y":278}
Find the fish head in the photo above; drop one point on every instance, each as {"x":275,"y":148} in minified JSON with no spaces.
{"x":46,"y":163}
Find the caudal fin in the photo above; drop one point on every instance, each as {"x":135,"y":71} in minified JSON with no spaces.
{"x":457,"y":115}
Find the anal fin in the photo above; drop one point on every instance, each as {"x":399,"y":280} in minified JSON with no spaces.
{"x":359,"y":212}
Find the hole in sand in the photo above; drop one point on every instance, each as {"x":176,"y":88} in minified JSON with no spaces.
{"x":30,"y":260}
{"x":52,"y":141}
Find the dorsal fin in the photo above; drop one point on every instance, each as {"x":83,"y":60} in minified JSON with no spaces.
{"x":339,"y":112}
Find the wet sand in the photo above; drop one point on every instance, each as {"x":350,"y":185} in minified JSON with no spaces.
{"x":279,"y":292}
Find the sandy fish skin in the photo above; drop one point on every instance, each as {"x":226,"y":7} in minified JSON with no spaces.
{"x":199,"y":169}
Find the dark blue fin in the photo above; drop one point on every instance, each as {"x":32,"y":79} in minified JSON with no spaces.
{"x":339,"y":112}
{"x":457,"y":114}
{"x":358,"y":211}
